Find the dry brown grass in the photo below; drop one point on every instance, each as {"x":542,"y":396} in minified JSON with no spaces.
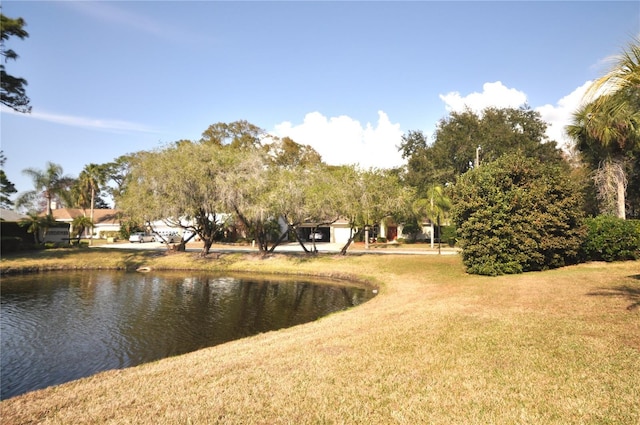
{"x":436,"y":346}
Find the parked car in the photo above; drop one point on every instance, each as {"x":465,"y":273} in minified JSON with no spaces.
{"x":168,"y":237}
{"x":315,"y":236}
{"x":141,"y":237}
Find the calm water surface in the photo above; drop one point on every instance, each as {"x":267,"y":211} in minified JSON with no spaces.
{"x":57,"y":327}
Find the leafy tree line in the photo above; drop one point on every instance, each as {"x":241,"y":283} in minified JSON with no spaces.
{"x":236,"y":178}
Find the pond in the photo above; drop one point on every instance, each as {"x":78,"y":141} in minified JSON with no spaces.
{"x":57,"y":327}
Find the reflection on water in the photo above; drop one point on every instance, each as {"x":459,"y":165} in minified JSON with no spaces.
{"x":57,"y":327}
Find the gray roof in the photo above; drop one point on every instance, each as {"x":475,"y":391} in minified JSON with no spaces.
{"x":8,"y":215}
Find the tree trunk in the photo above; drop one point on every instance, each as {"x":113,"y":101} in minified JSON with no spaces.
{"x":439,"y":236}
{"x":621,"y":189}
{"x":313,"y":239}
{"x":346,"y":246}
{"x":207,"y":230}
{"x":433,"y":233}
{"x":206,"y":247}
{"x":93,"y":198}
{"x":611,"y":184}
{"x":182,"y":246}
{"x":280,"y":239}
{"x":306,"y":251}
{"x":47,"y":196}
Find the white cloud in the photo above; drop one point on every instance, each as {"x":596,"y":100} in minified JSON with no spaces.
{"x":84,"y":122}
{"x":493,"y":94}
{"x":343,"y":140}
{"x":118,"y":14}
{"x":558,"y":116}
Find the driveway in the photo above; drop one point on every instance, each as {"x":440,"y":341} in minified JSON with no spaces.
{"x":322,"y":247}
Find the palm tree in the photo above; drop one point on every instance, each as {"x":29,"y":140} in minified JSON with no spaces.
{"x":36,"y":224}
{"x":79,"y":224}
{"x":49,"y":182}
{"x":90,"y":181}
{"x":607,"y":128}
{"x":435,"y":207}
{"x":623,"y":76}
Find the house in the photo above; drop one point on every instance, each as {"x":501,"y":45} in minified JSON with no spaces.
{"x":14,"y":236}
{"x":13,"y":228}
{"x":11,"y":216}
{"x":340,"y":231}
{"x":392,"y":231}
{"x":105,"y":221}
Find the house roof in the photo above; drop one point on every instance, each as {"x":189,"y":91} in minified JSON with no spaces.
{"x":100,"y":216}
{"x":8,"y":215}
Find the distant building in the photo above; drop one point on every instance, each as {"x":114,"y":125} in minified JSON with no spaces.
{"x":104,"y":220}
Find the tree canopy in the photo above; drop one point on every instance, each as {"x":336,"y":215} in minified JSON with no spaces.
{"x":457,"y":139}
{"x":12,"y":89}
{"x":237,"y":134}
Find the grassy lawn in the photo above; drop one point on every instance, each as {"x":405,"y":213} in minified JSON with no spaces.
{"x":435,"y":346}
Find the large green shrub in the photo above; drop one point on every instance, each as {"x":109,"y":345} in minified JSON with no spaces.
{"x":611,"y":238}
{"x":517,"y":214}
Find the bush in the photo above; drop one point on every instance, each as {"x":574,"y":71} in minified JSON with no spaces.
{"x":448,"y":235}
{"x":115,"y":234}
{"x":517,"y":214}
{"x":411,"y":229}
{"x":611,"y":238}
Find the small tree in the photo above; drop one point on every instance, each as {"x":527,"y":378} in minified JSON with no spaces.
{"x":518,"y":214}
{"x":37,"y":225}
{"x":89,"y":184}
{"x":435,"y":207}
{"x":178,"y":185}
{"x":367,"y":197}
{"x":79,"y":224}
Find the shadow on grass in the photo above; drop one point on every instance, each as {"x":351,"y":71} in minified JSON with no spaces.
{"x":631,"y":293}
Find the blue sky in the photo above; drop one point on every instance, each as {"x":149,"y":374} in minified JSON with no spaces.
{"x":349,"y":78}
